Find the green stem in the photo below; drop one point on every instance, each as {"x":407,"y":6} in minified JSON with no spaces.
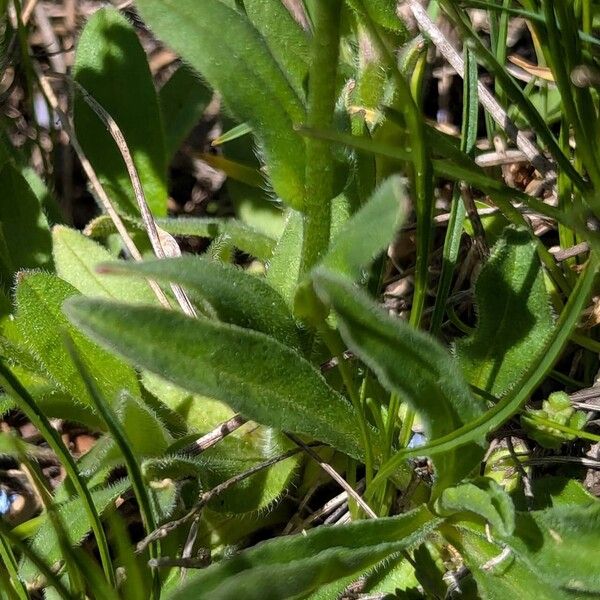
{"x":29,"y":407}
{"x":337,"y":348}
{"x":10,"y":563}
{"x":319,"y":159}
{"x":122,"y":441}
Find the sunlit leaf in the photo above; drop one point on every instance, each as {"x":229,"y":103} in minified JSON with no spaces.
{"x":259,"y":94}
{"x":111,"y":65}
{"x":256,"y":375}
{"x":293,"y":566}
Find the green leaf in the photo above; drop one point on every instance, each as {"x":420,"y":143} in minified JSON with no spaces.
{"x":24,"y":226}
{"x":485,"y":498}
{"x":384,"y":13}
{"x":111,"y":65}
{"x":499,"y":577}
{"x":293,"y":566}
{"x":410,"y":363}
{"x":515,"y":319}
{"x":283,"y":270}
{"x":288,"y":43}
{"x":256,"y":375}
{"x":240,"y":451}
{"x":76,"y":258}
{"x":243,"y":236}
{"x":368,"y":231}
{"x":183,"y":100}
{"x":259,"y":94}
{"x":560,"y":544}
{"x":39,"y":298}
{"x":236,"y":296}
{"x":478,"y":428}
{"x":72,"y":512}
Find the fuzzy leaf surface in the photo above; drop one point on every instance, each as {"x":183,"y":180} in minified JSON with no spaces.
{"x":560,"y":544}
{"x":515,"y":318}
{"x":485,"y":498}
{"x":509,"y":578}
{"x":368,"y":231}
{"x":242,"y":236}
{"x":251,"y":372}
{"x":259,"y":94}
{"x":410,"y":363}
{"x":76,"y":258}
{"x":111,"y":65}
{"x":293,"y":566}
{"x":236,"y":296}
{"x":288,"y":43}
{"x":40,"y":320}
{"x":283,"y":270}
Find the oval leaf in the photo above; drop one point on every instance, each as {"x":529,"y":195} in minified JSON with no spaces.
{"x":236,"y":296}
{"x":253,"y":373}
{"x":515,"y":319}
{"x":217,"y":41}
{"x":111,"y":65}
{"x":411,"y":363}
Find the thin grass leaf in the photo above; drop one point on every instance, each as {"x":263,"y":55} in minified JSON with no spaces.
{"x":28,"y":406}
{"x":232,"y":134}
{"x":120,"y":436}
{"x":10,"y":564}
{"x":457,"y":210}
{"x":42,"y":566}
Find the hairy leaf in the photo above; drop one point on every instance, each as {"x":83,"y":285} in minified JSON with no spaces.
{"x":515,"y":318}
{"x":293,"y":566}
{"x":111,"y":65}
{"x":236,"y":296}
{"x":368,"y":231}
{"x":39,"y":297}
{"x":560,"y":544}
{"x":256,"y":375}
{"x":283,"y":270}
{"x":76,"y":258}
{"x":285,"y":38}
{"x":259,"y":94}
{"x":483,"y":497}
{"x":500,"y":576}
{"x":183,"y":100}
{"x":242,"y":236}
{"x":410,"y":363}
{"x":73,"y":513}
